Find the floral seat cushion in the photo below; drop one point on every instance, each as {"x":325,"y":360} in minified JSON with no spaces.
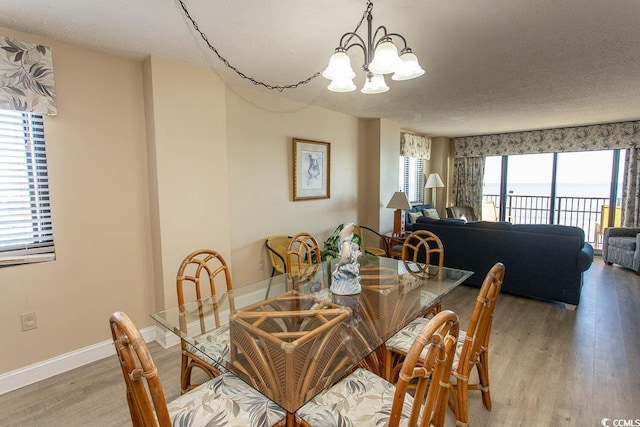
{"x":361,"y":399}
{"x":213,"y":347}
{"x":403,"y":340}
{"x":225,"y":400}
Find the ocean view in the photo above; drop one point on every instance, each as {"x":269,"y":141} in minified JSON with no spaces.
{"x":600,"y":189}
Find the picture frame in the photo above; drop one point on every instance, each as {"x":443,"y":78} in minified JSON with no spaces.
{"x":311,"y":169}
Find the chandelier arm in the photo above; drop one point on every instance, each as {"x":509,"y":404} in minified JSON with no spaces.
{"x":362,"y":44}
{"x":400,"y":36}
{"x":375,"y":43}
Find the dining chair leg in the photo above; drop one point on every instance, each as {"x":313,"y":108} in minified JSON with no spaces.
{"x":185,"y":374}
{"x":461,"y":404}
{"x":483,"y":373}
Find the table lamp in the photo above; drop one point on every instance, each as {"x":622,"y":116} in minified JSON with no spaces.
{"x":434,"y":182}
{"x":398,"y":202}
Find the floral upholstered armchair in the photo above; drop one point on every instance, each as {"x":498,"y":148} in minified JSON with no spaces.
{"x":621,"y":245}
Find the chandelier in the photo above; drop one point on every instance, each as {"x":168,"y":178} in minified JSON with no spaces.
{"x":380,"y":57}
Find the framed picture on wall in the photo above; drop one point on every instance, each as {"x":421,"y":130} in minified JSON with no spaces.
{"x":311,"y":169}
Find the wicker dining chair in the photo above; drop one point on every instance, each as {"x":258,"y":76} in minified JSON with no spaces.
{"x":208,"y":404}
{"x":418,"y":243}
{"x":424,"y":242}
{"x":199,"y":268}
{"x":363,"y":398}
{"x":472,"y":349}
{"x":373,"y":250}
{"x":277,"y":247}
{"x":303,"y":252}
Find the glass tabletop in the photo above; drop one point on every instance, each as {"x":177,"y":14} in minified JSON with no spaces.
{"x":290,"y":337}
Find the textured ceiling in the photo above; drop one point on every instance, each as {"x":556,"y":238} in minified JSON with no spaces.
{"x":492,"y":66}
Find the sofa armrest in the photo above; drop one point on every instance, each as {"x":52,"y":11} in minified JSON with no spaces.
{"x":585,"y":257}
{"x":621,"y":232}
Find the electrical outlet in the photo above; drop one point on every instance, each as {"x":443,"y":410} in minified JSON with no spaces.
{"x":29,"y":321}
{"x":261,"y":265}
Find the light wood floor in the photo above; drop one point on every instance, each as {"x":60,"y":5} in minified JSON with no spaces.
{"x":548,"y":366}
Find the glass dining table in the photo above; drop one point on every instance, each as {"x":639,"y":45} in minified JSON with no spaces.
{"x":290,"y":338}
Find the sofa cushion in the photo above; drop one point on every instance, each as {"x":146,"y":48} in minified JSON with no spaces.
{"x":413,"y":216}
{"x":441,"y":221}
{"x":501,"y":225}
{"x":431,"y":213}
{"x":415,"y":208}
{"x":626,"y":243}
{"x":558,"y":230}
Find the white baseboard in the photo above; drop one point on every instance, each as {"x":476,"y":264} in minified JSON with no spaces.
{"x":18,"y":378}
{"x":165,"y":338}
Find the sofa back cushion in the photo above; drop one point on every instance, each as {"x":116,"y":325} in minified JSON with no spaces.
{"x":442,"y":221}
{"x":414,"y":208}
{"x":490,"y":225}
{"x":558,"y":230}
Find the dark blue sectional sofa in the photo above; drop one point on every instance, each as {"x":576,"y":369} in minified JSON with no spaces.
{"x":541,"y":261}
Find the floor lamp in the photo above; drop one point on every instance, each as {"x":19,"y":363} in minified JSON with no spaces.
{"x":399,"y":202}
{"x":434,"y":182}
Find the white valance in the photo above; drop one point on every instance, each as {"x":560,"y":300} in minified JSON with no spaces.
{"x":26,"y":77}
{"x":582,"y":138}
{"x":412,"y":145}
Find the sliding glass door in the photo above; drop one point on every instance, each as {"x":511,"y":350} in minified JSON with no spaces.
{"x":575,"y":188}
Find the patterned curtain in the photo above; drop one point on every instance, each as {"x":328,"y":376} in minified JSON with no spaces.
{"x":631,"y":189}
{"x":583,"y":138}
{"x":467,"y":182}
{"x":412,"y":145}
{"x":26,"y":77}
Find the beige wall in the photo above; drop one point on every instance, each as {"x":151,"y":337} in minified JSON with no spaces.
{"x":189,"y":182}
{"x":99,"y":191}
{"x":260,"y":128}
{"x":150,"y":160}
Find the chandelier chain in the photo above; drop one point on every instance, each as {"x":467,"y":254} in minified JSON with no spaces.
{"x":243,"y":75}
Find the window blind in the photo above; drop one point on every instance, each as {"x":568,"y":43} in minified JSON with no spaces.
{"x":26,"y":231}
{"x":412,"y":178}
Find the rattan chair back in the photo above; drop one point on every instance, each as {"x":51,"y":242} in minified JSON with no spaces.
{"x":147,"y":403}
{"x":277,"y":247}
{"x":423,"y":242}
{"x":439,"y":336}
{"x":202,"y":273}
{"x":203,"y":265}
{"x":474,"y":352}
{"x":479,"y":329}
{"x":303,"y":252}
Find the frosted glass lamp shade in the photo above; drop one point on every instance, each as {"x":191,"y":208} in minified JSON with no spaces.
{"x":385,"y":58}
{"x":341,"y":85}
{"x":409,"y":67}
{"x":374,"y":84}
{"x":339,"y":67}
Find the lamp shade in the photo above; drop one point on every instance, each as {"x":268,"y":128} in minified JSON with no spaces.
{"x":374,"y":84}
{"x":434,"y":181}
{"x":339,"y":67}
{"x":385,"y":58}
{"x":399,"y":201}
{"x":341,"y":85}
{"x":409,"y":68}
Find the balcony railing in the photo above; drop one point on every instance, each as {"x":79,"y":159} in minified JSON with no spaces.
{"x":583,"y":212}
